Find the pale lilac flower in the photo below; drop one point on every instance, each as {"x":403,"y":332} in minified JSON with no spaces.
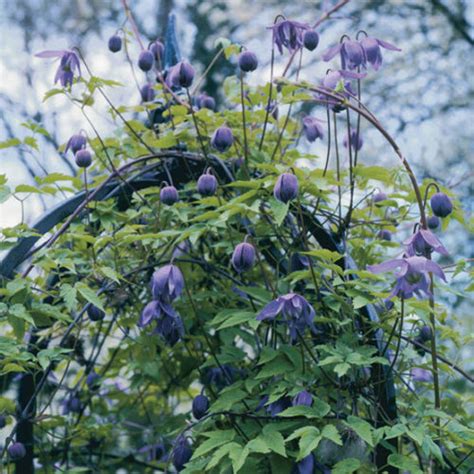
{"x":169,"y":324}
{"x":351,"y":52}
{"x":354,"y":139}
{"x":312,"y":128}
{"x":303,"y":398}
{"x":69,"y":63}
{"x":167,"y":283}
{"x":423,"y":242}
{"x":288,"y":34}
{"x":421,"y":375}
{"x":372,"y":51}
{"x":412,"y":278}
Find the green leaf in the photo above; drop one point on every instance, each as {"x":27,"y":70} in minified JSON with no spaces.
{"x":10,"y":143}
{"x":330,"y":432}
{"x":69,"y":295}
{"x":209,"y":445}
{"x":220,"y":453}
{"x":279,"y":210}
{"x":258,"y":445}
{"x":227,"y":400}
{"x":274,"y":440}
{"x":309,"y":441}
{"x":89,"y":295}
{"x":362,"y":428}
{"x":318,"y":410}
{"x":346,"y":467}
{"x":238,"y":455}
{"x":404,"y":463}
{"x":20,"y":312}
{"x":342,"y":369}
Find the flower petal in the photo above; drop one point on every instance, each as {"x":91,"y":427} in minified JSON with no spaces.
{"x":387,"y":45}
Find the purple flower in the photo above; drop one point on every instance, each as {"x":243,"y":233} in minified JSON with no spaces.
{"x":312,"y":128}
{"x":207,"y":184}
{"x":423,"y":242}
{"x":288,"y":34}
{"x":83,"y":158}
{"x":248,"y":61}
{"x":295,"y":310}
{"x":222,"y":139}
{"x":385,"y":234}
{"x":76,"y":143}
{"x":221,"y":376}
{"x":372,"y":51}
{"x":157,"y":48}
{"x":351,"y":52}
{"x":147,"y":92}
{"x":412,"y":278}
{"x":16,"y":451}
{"x":305,"y":466}
{"x":115,"y":43}
{"x":421,"y":375}
{"x":181,"y":249}
{"x":169,"y":324}
{"x":303,"y":398}
{"x":286,"y":187}
{"x":243,"y":257}
{"x":72,"y":404}
{"x":154,"y":452}
{"x":310,"y":40}
{"x":145,"y":60}
{"x":169,"y":195}
{"x":200,"y":406}
{"x":167,"y":283}
{"x":298,"y":262}
{"x":276,"y":407}
{"x":425,"y":334}
{"x":441,"y":205}
{"x":379,"y":197}
{"x":433,"y":222}
{"x":180,"y":75}
{"x":95,"y":313}
{"x":354,"y":139}
{"x":92,"y":380}
{"x":182,"y":453}
{"x":338,"y":82}
{"x":205,"y":101}
{"x":68,"y":64}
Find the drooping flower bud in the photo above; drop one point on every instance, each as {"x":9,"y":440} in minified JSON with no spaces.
{"x":298,"y":262}
{"x":200,"y":406}
{"x":433,"y":222}
{"x":306,"y":466}
{"x":310,"y":40}
{"x":248,"y":61}
{"x":147,"y":92}
{"x":92,"y":380}
{"x":73,"y":405}
{"x":115,"y":43}
{"x":352,"y":55}
{"x":441,"y":205}
{"x":205,"y":101}
{"x":182,"y":453}
{"x":75,"y":143}
{"x":167,"y":283}
{"x":207,"y":184}
{"x":145,"y":60}
{"x":222,"y":139}
{"x":16,"y":451}
{"x":379,"y":197}
{"x":312,"y":129}
{"x":180,"y":75}
{"x":286,"y":187}
{"x":83,"y":158}
{"x":385,"y":234}
{"x":303,"y":398}
{"x":95,"y":313}
{"x":243,"y":257}
{"x":169,"y":195}
{"x":354,"y":139}
{"x":158,"y":49}
{"x":425,"y":334}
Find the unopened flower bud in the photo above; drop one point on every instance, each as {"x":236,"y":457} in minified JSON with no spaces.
{"x":207,"y":184}
{"x":222,"y":139}
{"x":379,"y":197}
{"x":200,"y":406}
{"x":115,"y":43}
{"x":182,"y":453}
{"x":92,"y":380}
{"x":433,"y":222}
{"x":425,"y":334}
{"x":16,"y":451}
{"x":248,"y":62}
{"x":83,"y":158}
{"x":310,"y":39}
{"x":286,"y":187}
{"x":385,"y":234}
{"x":205,"y":101}
{"x":145,"y":60}
{"x":95,"y":313}
{"x":169,"y":195}
{"x":243,"y":257}
{"x":147,"y":92}
{"x":303,"y":398}
{"x":181,"y":75}
{"x":158,"y":49}
{"x":441,"y":205}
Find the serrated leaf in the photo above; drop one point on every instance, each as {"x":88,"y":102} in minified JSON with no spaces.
{"x":404,"y":463}
{"x":330,"y":432}
{"x":69,"y":295}
{"x":318,"y":410}
{"x":89,"y":295}
{"x":209,"y":445}
{"x":362,"y":428}
{"x":258,"y":445}
{"x":219,"y":454}
{"x":346,"y":467}
{"x":274,"y":440}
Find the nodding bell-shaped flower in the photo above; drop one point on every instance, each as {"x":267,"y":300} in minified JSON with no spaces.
{"x":351,"y":52}
{"x":182,"y":453}
{"x":68,"y":65}
{"x":421,"y":375}
{"x":207,"y":184}
{"x":147,"y":92}
{"x":76,"y":143}
{"x":286,"y":187}
{"x":338,"y":82}
{"x":310,"y":39}
{"x":72,"y":404}
{"x":243,"y":257}
{"x":441,"y":205}
{"x":412,"y":277}
{"x":180,"y":75}
{"x":222,"y":139}
{"x":16,"y":451}
{"x":303,"y":398}
{"x":298,"y":262}
{"x":425,"y":334}
{"x":305,"y":466}
{"x":200,"y":406}
{"x":169,"y":195}
{"x":95,"y":313}
{"x":115,"y":43}
{"x":379,"y":197}
{"x":158,"y":49}
{"x":433,"y":222}
{"x":83,"y":158}
{"x":167,"y":283}
{"x":205,"y":101}
{"x":372,"y":51}
{"x":423,"y":242}
{"x":248,"y":61}
{"x":288,"y":34}
{"x":145,"y":60}
{"x":385,"y":234}
{"x":169,"y":324}
{"x":354,"y":139}
{"x":312,"y":129}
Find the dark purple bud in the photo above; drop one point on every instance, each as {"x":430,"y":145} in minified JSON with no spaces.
{"x":207,"y":184}
{"x":74,"y":405}
{"x":92,"y":380}
{"x":312,"y":129}
{"x":243,"y":257}
{"x":95,"y":313}
{"x":169,"y":195}
{"x":115,"y":43}
{"x":16,"y":451}
{"x":248,"y":62}
{"x":205,"y":101}
{"x":222,"y":139}
{"x":303,"y":398}
{"x":76,"y":143}
{"x":286,"y":187}
{"x":158,"y":49}
{"x":305,"y":466}
{"x":83,"y":158}
{"x":145,"y":60}
{"x":433,"y":222}
{"x":385,"y":234}
{"x":310,"y":39}
{"x":441,"y":205}
{"x":3,"y":421}
{"x":200,"y":406}
{"x":425,"y":334}
{"x":379,"y":197}
{"x":280,"y":405}
{"x":167,"y":283}
{"x":181,"y":75}
{"x":147,"y":92}
{"x":298,"y":262}
{"x":182,"y":453}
